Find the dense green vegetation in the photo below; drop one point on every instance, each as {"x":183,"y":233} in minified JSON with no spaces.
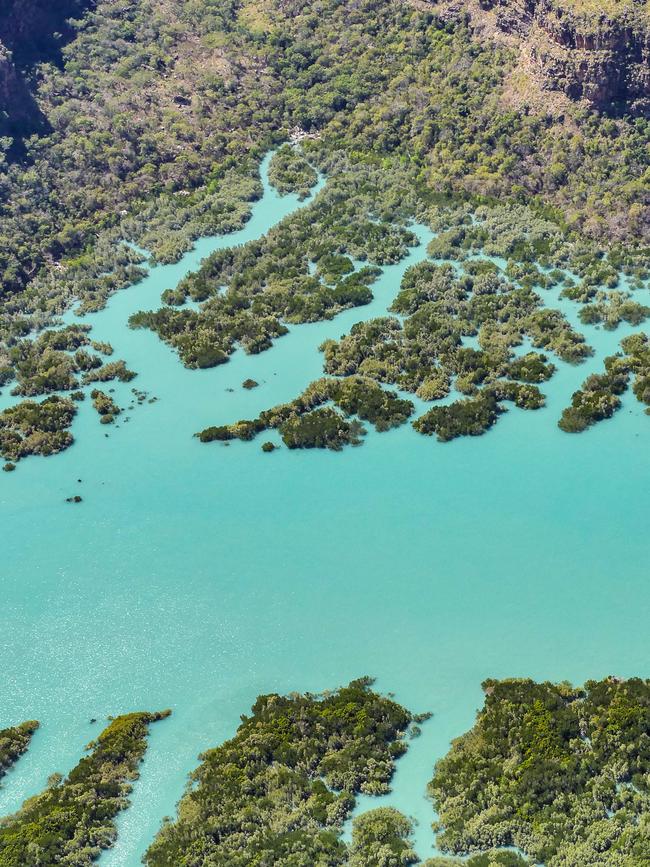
{"x":31,"y":428}
{"x":550,"y":774}
{"x":72,"y":821}
{"x":305,"y":423}
{"x":599,"y":396}
{"x":14,"y":742}
{"x":279,"y":791}
{"x":289,"y":172}
{"x":107,"y":372}
{"x":637,"y":349}
{"x":322,"y":429}
{"x":251,"y":293}
{"x":612,"y":308}
{"x":533,"y":367}
{"x":423,"y":351}
{"x":160,"y":112}
{"x":493,"y":858}
{"x":105,"y":406}
{"x":157,"y":116}
{"x":380,"y":838}
{"x":559,"y":772}
{"x":474,"y":415}
{"x":469,"y":417}
{"x":54,"y":359}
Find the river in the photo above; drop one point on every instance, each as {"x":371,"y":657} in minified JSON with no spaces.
{"x":195,"y":577}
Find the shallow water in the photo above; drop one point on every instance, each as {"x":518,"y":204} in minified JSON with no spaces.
{"x":195,"y":577}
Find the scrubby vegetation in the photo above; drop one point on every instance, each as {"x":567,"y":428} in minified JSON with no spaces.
{"x":105,"y":406}
{"x":599,"y":396}
{"x":533,"y":367}
{"x":157,"y":118}
{"x":72,"y":821}
{"x":110,"y":371}
{"x":306,"y":423}
{"x":559,"y":772}
{"x":244,"y":75}
{"x":424,"y":352}
{"x":612,"y":308}
{"x":469,"y":417}
{"x":53,"y":360}
{"x":251,"y":293}
{"x":290,"y":172}
{"x":380,"y":838}
{"x":279,"y":791}
{"x":31,"y":428}
{"x":493,"y":858}
{"x":475,"y":415}
{"x":14,"y":742}
{"x":323,"y":428}
{"x":637,"y":350}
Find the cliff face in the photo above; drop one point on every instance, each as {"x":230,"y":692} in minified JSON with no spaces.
{"x":35,"y":30}
{"x":19,"y":113}
{"x":31,"y":31}
{"x":600,"y":52}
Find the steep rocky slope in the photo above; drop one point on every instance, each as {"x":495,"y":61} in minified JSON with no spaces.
{"x":35,"y":30}
{"x":19,"y":114}
{"x":31,"y":31}
{"x":588,"y":49}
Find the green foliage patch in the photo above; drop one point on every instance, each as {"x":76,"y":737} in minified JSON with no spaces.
{"x":563,"y":774}
{"x":31,"y":428}
{"x":289,"y":172}
{"x":279,"y":791}
{"x":72,"y":821}
{"x":305,"y":423}
{"x":14,"y":742}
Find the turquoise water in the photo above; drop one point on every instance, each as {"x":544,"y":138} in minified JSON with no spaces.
{"x":195,"y":577}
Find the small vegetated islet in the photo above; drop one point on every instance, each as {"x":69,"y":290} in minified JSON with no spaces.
{"x":280,"y":790}
{"x":73,"y":820}
{"x":14,"y":742}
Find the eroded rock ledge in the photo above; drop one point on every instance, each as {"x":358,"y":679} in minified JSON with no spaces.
{"x":586,"y":49}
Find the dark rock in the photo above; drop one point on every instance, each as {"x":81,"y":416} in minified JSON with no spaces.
{"x":31,"y":32}
{"x":602,"y":57}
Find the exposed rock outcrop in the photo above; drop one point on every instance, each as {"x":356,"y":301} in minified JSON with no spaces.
{"x":595,"y":51}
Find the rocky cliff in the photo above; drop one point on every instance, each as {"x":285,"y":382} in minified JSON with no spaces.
{"x":35,"y":30}
{"x":588,"y":49}
{"x":19,"y":113}
{"x":31,"y":31}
